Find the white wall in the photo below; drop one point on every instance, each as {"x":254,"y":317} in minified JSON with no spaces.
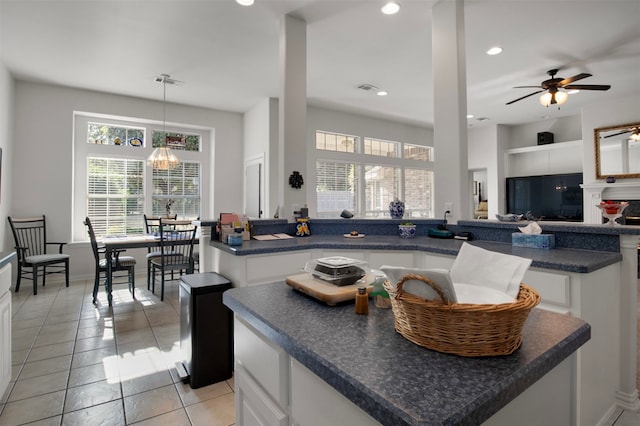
{"x":563,"y":129}
{"x":6,"y":143}
{"x":605,"y":114}
{"x":261,"y":141}
{"x":42,"y":178}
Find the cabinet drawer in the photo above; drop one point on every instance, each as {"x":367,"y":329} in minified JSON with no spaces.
{"x":392,"y":258}
{"x":266,"y":268}
{"x":253,"y":406}
{"x":553,"y":288}
{"x":266,"y":363}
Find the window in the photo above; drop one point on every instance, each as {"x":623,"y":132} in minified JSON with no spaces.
{"x":181,"y":186}
{"x":115,"y":195}
{"x":363,"y":175}
{"x":335,"y":142}
{"x":115,"y":187}
{"x":381,"y":148}
{"x":104,"y":134}
{"x":336,"y":185}
{"x":179,"y":141}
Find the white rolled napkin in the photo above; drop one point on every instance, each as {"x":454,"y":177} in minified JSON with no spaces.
{"x":420,"y":288}
{"x":501,"y":272}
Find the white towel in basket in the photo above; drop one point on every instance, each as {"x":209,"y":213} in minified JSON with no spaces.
{"x":501,"y":272}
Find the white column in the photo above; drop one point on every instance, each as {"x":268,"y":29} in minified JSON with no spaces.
{"x":292,"y":136}
{"x":627,"y":395}
{"x":450,"y":109}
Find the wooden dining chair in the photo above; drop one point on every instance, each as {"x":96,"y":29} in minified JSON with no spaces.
{"x":152,"y":227}
{"x":119,"y":262}
{"x":176,"y":254}
{"x":30,"y":235}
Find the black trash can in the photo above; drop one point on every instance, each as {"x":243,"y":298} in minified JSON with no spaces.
{"x":206,"y":330}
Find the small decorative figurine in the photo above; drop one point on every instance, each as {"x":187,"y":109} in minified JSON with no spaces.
{"x":168,"y":207}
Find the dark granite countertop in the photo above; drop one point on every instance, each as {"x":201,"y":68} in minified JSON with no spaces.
{"x":7,"y":257}
{"x":564,"y":259}
{"x":392,"y":379}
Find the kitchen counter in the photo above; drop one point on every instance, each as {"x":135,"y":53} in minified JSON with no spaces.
{"x":565,"y":259}
{"x":393,"y":380}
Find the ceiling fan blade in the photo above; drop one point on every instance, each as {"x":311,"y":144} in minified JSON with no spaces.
{"x":572,"y":79}
{"x":526,"y":96}
{"x":588,"y":87}
{"x":527,"y":87}
{"x":619,"y":133}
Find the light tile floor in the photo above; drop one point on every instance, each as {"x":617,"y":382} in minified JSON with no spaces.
{"x":76,"y":363}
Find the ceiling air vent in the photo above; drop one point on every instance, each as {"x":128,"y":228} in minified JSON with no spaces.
{"x":367,"y":87}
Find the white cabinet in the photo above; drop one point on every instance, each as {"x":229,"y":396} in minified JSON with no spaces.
{"x":311,"y":396}
{"x":261,"y":378}
{"x":563,"y":157}
{"x":265,"y":396}
{"x":259,"y":268}
{"x":5,"y":330}
{"x":253,"y":405}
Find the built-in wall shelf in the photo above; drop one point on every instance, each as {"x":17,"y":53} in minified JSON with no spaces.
{"x":547,"y":147}
{"x":555,"y":158}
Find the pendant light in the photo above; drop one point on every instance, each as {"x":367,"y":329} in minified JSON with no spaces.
{"x":162,"y":157}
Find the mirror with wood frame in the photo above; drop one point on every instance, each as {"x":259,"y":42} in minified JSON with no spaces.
{"x":617,"y":150}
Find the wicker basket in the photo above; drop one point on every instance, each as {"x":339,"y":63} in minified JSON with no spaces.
{"x":460,"y":328}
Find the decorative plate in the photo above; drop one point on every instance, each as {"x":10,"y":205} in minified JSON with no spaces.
{"x":135,"y":142}
{"x":509,"y":217}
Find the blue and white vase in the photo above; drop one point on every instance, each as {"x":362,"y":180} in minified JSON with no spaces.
{"x":396,"y":209}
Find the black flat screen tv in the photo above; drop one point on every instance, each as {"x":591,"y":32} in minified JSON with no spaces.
{"x":547,"y":197}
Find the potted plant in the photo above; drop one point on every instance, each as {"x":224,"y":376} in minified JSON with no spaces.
{"x":407,"y":230}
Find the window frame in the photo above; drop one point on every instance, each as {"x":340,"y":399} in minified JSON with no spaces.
{"x":362,"y":161}
{"x":82,"y":150}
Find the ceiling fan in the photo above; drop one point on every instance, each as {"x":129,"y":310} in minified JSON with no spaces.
{"x":635,"y":133}
{"x":552,"y":86}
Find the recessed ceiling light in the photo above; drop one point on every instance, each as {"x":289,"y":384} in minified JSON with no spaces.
{"x":245,"y":2}
{"x":470,"y":115}
{"x":494,"y":50}
{"x":382,"y":93}
{"x":390,"y":8}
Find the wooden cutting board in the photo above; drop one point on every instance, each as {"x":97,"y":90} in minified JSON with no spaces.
{"x":327,"y":292}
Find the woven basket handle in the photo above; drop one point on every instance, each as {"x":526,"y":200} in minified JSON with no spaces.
{"x":426,"y":280}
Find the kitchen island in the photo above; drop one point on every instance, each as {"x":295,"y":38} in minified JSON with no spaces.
{"x":591,"y":274}
{"x":299,"y":361}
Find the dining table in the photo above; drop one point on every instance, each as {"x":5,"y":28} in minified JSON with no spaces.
{"x":115,"y":243}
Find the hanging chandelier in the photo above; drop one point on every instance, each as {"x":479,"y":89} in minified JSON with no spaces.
{"x":163,"y":157}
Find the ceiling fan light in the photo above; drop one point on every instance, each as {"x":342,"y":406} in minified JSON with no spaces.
{"x":635,"y":136}
{"x":561,"y":97}
{"x":545,"y":100}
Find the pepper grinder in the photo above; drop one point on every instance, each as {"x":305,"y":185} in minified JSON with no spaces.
{"x":362,"y":301}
